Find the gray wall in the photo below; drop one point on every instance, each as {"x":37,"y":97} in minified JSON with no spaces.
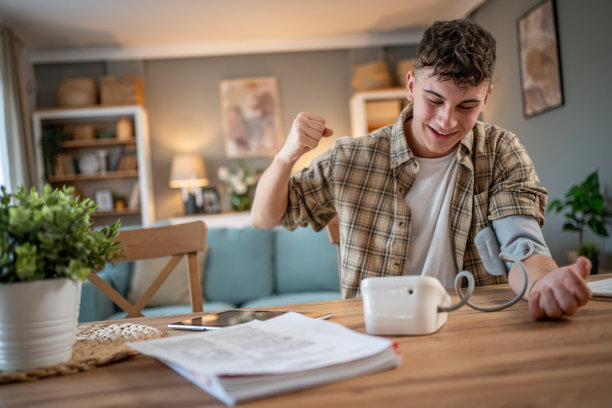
{"x":567,"y":143}
{"x":184,"y":108}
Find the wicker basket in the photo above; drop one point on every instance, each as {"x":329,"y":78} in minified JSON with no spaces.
{"x":80,"y":132}
{"x":127,"y":91}
{"x":77,"y":92}
{"x":373,"y":75}
{"x":402,"y":69}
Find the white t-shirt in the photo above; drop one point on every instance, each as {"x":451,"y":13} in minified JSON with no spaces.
{"x":430,"y":252}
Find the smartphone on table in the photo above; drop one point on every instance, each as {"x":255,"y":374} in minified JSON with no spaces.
{"x":212,"y":321}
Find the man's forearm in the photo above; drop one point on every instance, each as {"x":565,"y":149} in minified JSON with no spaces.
{"x":271,"y":195}
{"x":536,"y":266}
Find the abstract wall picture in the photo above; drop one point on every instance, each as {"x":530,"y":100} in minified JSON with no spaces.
{"x":251,"y":117}
{"x":539,"y":58}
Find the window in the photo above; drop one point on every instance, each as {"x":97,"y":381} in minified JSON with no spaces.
{"x":5,"y":180}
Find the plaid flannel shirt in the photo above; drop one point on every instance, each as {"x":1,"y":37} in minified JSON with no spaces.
{"x":364,"y":180}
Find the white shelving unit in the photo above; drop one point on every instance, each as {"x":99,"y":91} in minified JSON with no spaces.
{"x":373,"y":109}
{"x":122,"y":182}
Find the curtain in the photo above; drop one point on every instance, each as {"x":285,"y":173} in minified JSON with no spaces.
{"x":17,"y":127}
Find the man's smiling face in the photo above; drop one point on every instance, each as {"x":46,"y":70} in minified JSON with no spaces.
{"x":442,"y":113}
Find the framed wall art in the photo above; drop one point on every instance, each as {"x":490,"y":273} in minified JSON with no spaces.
{"x":540,"y":64}
{"x":250,"y":110}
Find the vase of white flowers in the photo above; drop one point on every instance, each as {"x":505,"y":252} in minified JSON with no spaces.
{"x":241,"y":202}
{"x":241,"y":184}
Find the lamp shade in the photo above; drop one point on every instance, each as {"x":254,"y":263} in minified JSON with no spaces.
{"x":187,"y":170}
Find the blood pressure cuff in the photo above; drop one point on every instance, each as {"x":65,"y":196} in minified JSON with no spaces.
{"x":512,"y":235}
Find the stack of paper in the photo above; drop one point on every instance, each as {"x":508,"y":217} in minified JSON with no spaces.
{"x":263,"y":358}
{"x":602,"y":289}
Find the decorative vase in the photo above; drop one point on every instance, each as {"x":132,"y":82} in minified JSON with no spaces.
{"x":594,"y":266}
{"x":38,"y":322}
{"x":241,"y":202}
{"x":572,"y":255}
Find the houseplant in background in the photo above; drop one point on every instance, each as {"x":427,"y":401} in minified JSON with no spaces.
{"x":241,"y":184}
{"x":585,"y":207}
{"x":47,"y":248}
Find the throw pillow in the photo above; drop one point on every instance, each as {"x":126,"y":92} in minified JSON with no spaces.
{"x":174,"y":290}
{"x":240,"y":264}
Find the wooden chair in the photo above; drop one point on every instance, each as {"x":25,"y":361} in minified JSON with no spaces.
{"x":333,"y":234}
{"x":175,"y":241}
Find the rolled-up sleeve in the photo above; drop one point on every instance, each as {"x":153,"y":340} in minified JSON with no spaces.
{"x":310,"y":200}
{"x":516,"y":189}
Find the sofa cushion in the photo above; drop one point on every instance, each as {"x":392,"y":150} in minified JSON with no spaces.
{"x":291,"y":298}
{"x":239,"y":265}
{"x":305,"y":261}
{"x":174,"y":290}
{"x":95,"y":305}
{"x":120,"y":274}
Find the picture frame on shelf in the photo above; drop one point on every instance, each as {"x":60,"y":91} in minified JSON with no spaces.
{"x":104,"y":199}
{"x":134,"y":200}
{"x":539,"y":57}
{"x":251,"y":118}
{"x":211,"y":201}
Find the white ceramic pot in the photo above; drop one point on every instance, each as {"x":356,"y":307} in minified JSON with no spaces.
{"x":38,"y":322}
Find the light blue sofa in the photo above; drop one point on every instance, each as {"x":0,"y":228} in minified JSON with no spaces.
{"x":244,"y":267}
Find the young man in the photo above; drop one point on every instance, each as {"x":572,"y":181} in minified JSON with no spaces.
{"x":411,"y":197}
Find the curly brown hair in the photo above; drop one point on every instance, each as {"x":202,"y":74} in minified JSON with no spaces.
{"x":459,"y":50}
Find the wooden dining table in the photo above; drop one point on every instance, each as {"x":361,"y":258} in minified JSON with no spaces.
{"x":477,"y":359}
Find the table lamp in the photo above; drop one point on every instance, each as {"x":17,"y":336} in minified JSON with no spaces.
{"x":188,"y":173}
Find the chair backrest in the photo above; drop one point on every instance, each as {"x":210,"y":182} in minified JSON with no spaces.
{"x":333,"y":234}
{"x":175,"y":241}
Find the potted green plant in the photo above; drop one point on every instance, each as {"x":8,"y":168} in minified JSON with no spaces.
{"x":585,"y":207}
{"x":47,"y":248}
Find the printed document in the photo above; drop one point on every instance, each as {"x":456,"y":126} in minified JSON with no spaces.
{"x":262,"y":358}
{"x":602,"y":289}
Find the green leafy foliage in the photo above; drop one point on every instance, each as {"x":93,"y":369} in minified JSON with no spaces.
{"x":589,"y":250}
{"x":49,"y":235}
{"x":585,"y":207}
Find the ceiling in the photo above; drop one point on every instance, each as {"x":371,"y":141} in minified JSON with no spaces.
{"x":72,"y":30}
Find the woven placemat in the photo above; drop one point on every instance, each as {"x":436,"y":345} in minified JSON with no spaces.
{"x":96,"y":345}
